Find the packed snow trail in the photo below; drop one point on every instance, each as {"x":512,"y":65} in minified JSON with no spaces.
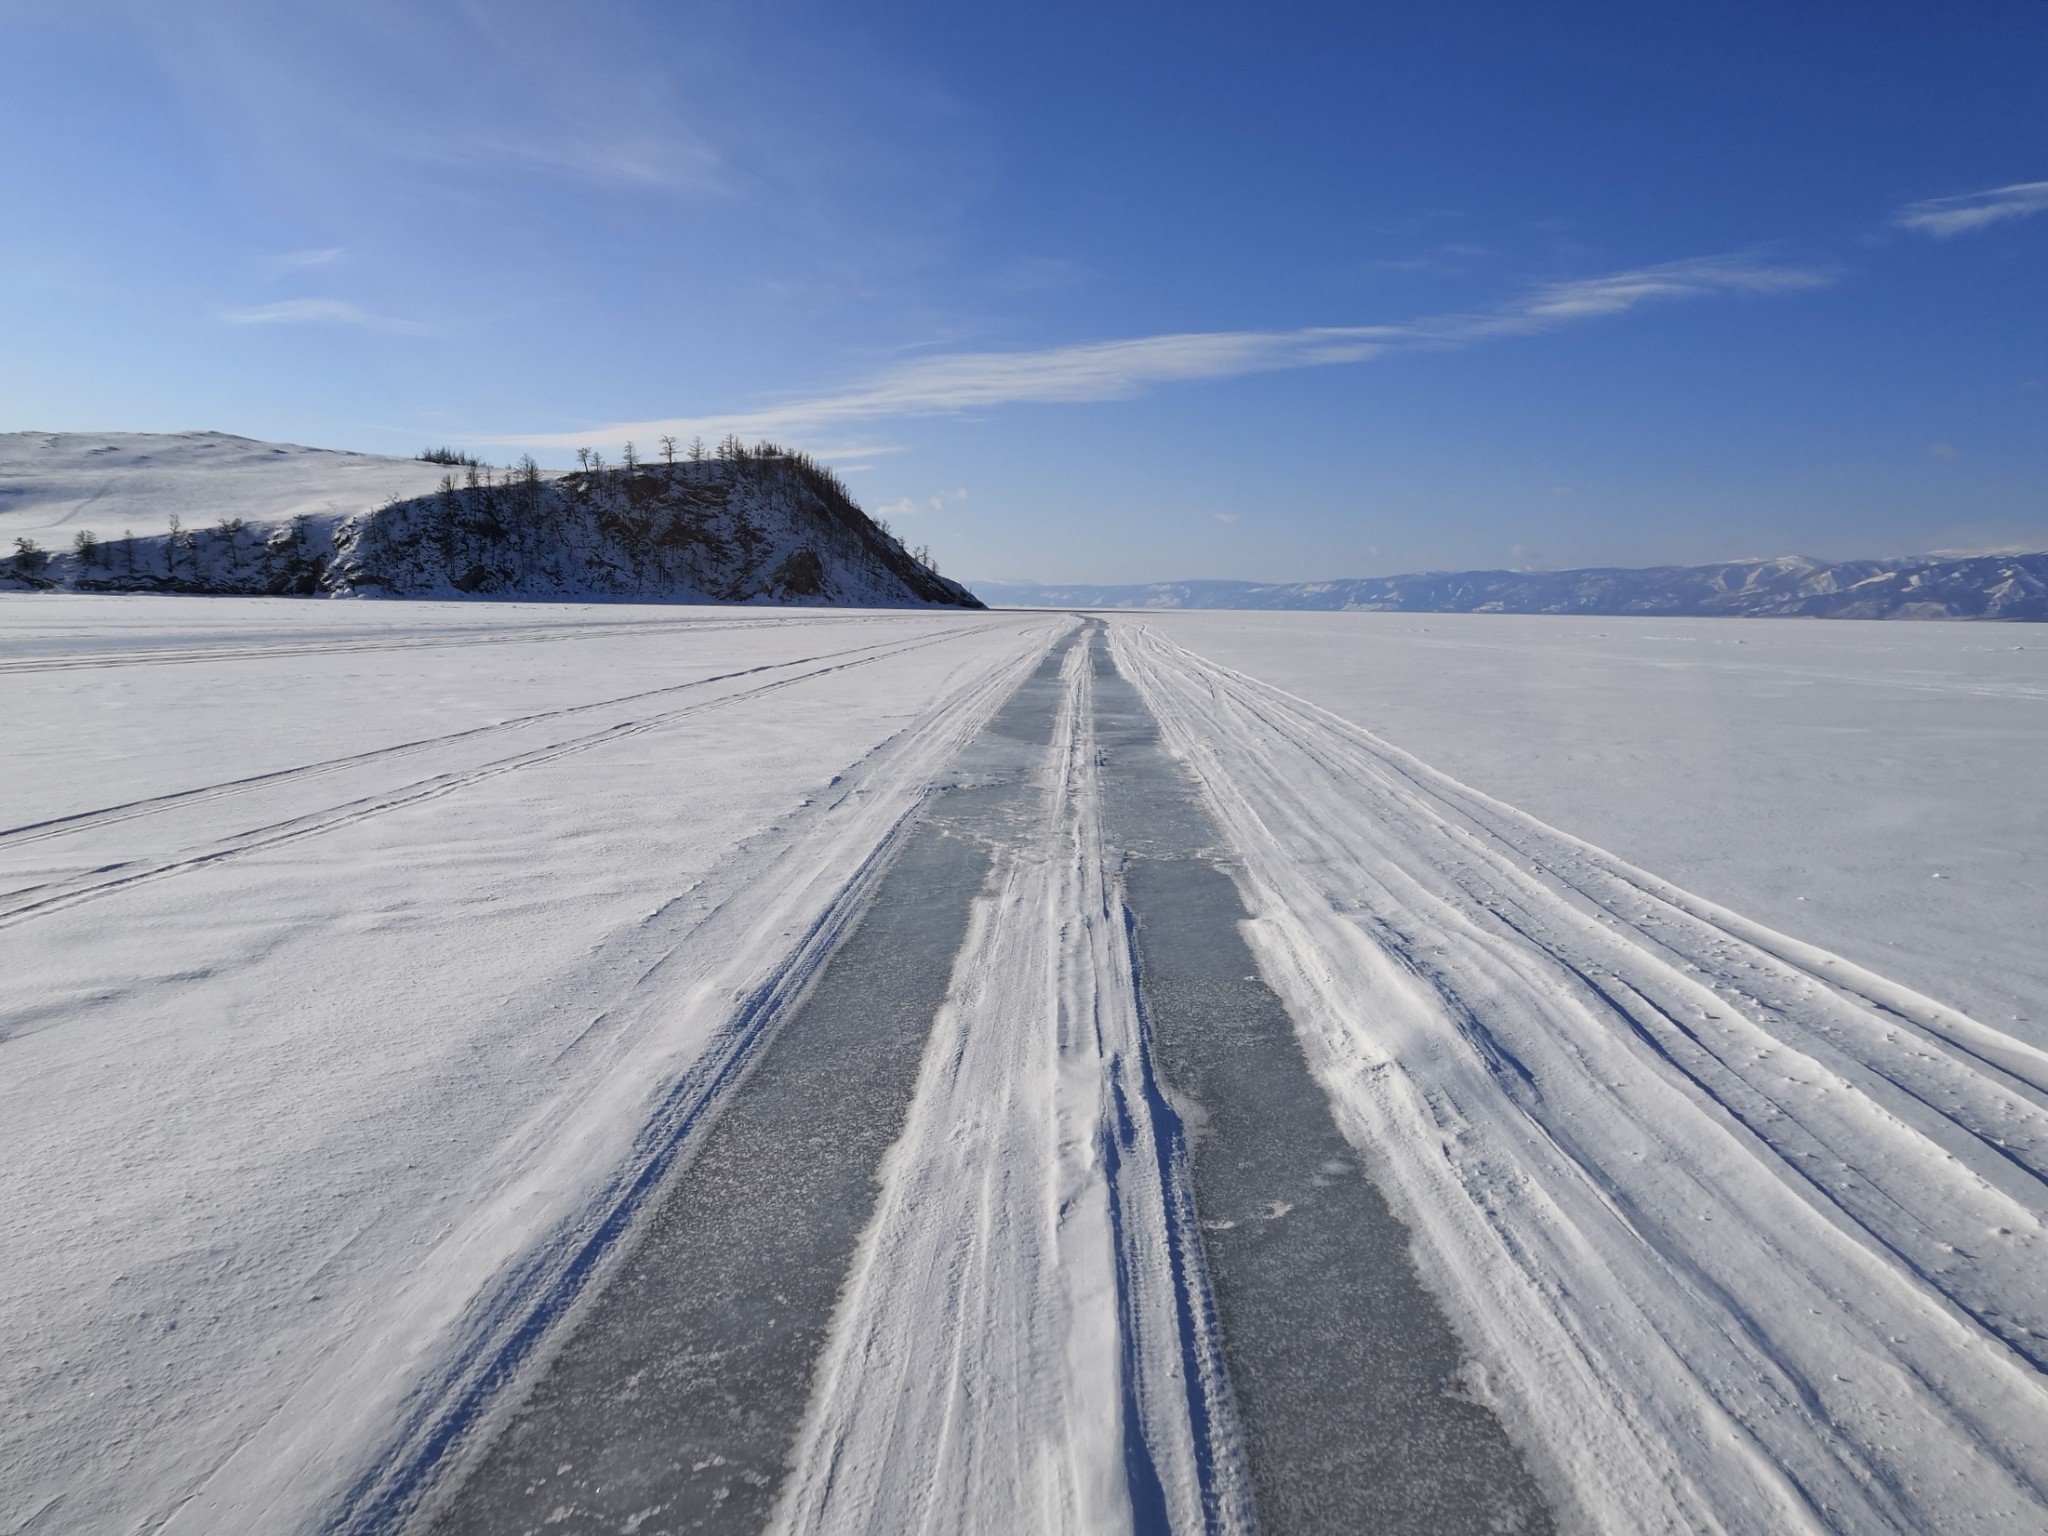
{"x":1746,"y":1238}
{"x":1024,"y":1337}
{"x":317,"y":1151}
{"x":1355,"y":1399}
{"x":713,"y":1321}
{"x":305,"y":1147}
{"x":1025,"y":1343}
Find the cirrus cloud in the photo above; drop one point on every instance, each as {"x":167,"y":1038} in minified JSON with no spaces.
{"x":1117,"y":370}
{"x":320,"y":312}
{"x":1944,"y":217}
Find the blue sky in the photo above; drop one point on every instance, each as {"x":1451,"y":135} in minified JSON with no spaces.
{"x":1083,"y":292}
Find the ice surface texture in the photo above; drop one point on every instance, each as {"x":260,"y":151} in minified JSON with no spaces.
{"x":358,"y":960}
{"x":369,"y":963}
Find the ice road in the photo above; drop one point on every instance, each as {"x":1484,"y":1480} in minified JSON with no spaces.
{"x":503,"y":1068}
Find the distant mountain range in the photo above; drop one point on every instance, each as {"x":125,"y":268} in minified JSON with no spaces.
{"x":1915,"y":587}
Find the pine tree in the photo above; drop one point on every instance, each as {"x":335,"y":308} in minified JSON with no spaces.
{"x":230,"y":530}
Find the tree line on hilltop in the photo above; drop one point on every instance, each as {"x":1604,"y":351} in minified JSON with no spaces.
{"x":732,"y":522}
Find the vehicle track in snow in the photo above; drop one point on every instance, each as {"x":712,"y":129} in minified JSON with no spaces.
{"x":680,"y":1006}
{"x":1351,"y":1388}
{"x":1748,"y":1237}
{"x":1735,"y":1235}
{"x":81,"y":821}
{"x":726,"y":1295}
{"x":1026,"y":1327}
{"x":1024,"y":1335}
{"x":531,"y":634}
{"x":27,"y":903}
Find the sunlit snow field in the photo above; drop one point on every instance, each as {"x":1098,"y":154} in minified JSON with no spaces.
{"x":270,"y":1040}
{"x":349,"y":947}
{"x":1880,"y":789}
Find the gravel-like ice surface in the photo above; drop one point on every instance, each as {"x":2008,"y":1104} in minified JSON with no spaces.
{"x":1816,"y":776}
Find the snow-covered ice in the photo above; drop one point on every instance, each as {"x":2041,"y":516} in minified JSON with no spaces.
{"x":1744,"y":1236}
{"x":1815,"y":776}
{"x":346,"y":951}
{"x":353,"y":950}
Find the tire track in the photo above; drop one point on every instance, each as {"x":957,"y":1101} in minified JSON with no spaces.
{"x":82,"y":821}
{"x":1315,"y":1293}
{"x":1025,"y":1339}
{"x":704,"y":994}
{"x":42,"y":900}
{"x":1669,"y":972}
{"x":171,"y":656}
{"x":722,"y":1380}
{"x":1753,"y":1236}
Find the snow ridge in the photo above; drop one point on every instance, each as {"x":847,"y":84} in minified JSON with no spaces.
{"x":1746,"y":1239}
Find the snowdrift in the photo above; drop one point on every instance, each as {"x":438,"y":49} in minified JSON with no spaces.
{"x":750,"y":525}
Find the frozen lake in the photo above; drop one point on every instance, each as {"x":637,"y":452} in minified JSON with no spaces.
{"x":377,"y":973}
{"x":1817,"y":776}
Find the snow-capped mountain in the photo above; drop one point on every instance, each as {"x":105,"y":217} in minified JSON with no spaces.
{"x":746,"y":525}
{"x":2002,"y":586}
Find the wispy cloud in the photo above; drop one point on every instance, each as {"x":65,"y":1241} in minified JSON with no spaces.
{"x":1943,"y":217}
{"x":451,"y":88}
{"x":304,"y":261}
{"x":1116,"y":370}
{"x":319,"y":312}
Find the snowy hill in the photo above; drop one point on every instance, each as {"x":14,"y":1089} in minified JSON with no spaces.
{"x":749,"y":525}
{"x":52,"y":484}
{"x":2002,"y":586}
